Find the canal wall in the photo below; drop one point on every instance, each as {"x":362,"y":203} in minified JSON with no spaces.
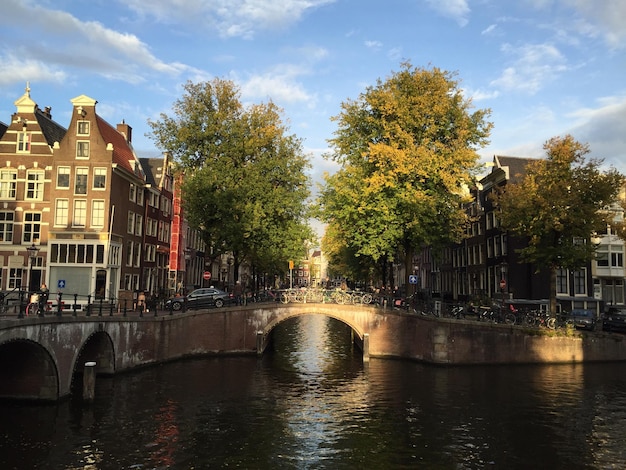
{"x":40,"y":356}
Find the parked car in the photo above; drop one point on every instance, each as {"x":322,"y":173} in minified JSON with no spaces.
{"x":614,"y":319}
{"x":582,"y":319}
{"x":201,"y":298}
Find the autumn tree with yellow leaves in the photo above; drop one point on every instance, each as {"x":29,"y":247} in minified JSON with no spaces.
{"x":406,"y":148}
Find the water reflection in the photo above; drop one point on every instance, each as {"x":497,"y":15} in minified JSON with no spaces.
{"x":313,"y":404}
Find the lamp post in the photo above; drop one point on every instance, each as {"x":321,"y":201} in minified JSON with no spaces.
{"x":32,"y":254}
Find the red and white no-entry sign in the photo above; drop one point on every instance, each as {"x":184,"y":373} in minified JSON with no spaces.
{"x":206,"y":275}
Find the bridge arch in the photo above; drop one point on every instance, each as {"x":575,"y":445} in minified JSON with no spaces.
{"x":298,"y":313}
{"x":98,"y":348}
{"x":27,"y":371}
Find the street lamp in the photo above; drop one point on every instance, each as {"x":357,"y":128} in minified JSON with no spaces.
{"x":32,"y":254}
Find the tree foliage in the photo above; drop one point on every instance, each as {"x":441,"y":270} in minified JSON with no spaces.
{"x":558,"y":205}
{"x":244,"y":184}
{"x":406,"y":147}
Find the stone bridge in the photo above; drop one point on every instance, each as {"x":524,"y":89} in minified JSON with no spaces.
{"x":40,"y":357}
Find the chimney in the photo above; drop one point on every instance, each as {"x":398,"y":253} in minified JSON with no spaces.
{"x":126,"y":131}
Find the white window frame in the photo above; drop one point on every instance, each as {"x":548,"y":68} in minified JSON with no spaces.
{"x":79,"y":173}
{"x":7,"y":224}
{"x":8,"y":184}
{"x":97,"y":213}
{"x":82,"y":150}
{"x":34,"y":234}
{"x":79,"y":213}
{"x":63,"y":171}
{"x":99,"y":174}
{"x":34,"y":185}
{"x":61,"y":212}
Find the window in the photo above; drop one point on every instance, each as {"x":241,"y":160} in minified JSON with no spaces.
{"x":129,"y":253}
{"x":80,"y":213}
{"x":97,"y":213}
{"x":82,"y":149}
{"x":132,"y":193}
{"x":61,"y":213}
{"x":80,"y":185}
{"x":130,"y":226}
{"x":6,"y":227}
{"x":140,"y":196}
{"x":617,"y":260}
{"x":63,"y":177}
{"x":8,"y":184}
{"x":561,"y":281}
{"x":99,"y":178}
{"x":23,"y":142}
{"x":82,"y":128}
{"x":15,"y":278}
{"x":138,"y":224}
{"x":137,"y":254}
{"x":32,"y":227}
{"x":580,"y":282}
{"x":34,"y":185}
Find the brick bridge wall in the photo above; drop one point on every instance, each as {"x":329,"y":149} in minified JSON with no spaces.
{"x":39,"y":356}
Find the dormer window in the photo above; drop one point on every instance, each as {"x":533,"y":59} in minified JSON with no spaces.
{"x":23,"y":142}
{"x":82,"y":128}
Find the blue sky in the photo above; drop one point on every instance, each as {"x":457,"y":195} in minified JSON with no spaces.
{"x":544,"y":67}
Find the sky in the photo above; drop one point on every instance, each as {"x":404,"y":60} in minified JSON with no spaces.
{"x":544,"y":68}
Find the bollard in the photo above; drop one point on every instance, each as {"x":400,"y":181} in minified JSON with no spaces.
{"x":75,"y":306}
{"x":125,"y":305}
{"x":89,"y":381}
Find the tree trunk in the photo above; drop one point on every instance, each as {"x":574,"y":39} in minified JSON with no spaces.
{"x":552,"y":305}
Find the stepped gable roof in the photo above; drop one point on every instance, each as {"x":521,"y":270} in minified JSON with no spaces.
{"x":51,"y":130}
{"x":123,"y":153}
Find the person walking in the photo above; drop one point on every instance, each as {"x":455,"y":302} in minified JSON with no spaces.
{"x":44,"y":294}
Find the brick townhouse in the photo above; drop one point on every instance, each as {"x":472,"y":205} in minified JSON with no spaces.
{"x":78,"y":208}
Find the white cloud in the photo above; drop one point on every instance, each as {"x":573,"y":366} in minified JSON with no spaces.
{"x":604,"y":129}
{"x":373,"y":45}
{"x":280,"y":86}
{"x":16,"y":69}
{"x":457,"y":10}
{"x":89,"y":45}
{"x":532,"y":67}
{"x":603,"y":18}
{"x":230,"y":18}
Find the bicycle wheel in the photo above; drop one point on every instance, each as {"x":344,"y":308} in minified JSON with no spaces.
{"x":284,"y":297}
{"x":509,"y":318}
{"x":366,"y":299}
{"x":32,"y":309}
{"x":551,"y":323}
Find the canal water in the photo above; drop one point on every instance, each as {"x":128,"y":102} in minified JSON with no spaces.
{"x":311,"y":403}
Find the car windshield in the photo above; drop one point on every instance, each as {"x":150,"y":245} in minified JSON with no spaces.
{"x":582,"y":313}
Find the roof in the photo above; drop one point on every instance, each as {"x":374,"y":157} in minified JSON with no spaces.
{"x":3,"y":128}
{"x":153,"y":169}
{"x":123,"y":153}
{"x":52,"y":131}
{"x":515,"y":167}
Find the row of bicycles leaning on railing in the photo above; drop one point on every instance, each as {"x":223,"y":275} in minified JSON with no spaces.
{"x":493,"y":314}
{"x":337,"y":296}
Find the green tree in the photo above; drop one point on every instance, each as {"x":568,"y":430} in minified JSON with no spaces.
{"x":244,"y":182}
{"x":406,"y":148}
{"x":558,"y":205}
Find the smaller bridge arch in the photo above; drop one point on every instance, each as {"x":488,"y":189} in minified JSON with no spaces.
{"x":358,"y":318}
